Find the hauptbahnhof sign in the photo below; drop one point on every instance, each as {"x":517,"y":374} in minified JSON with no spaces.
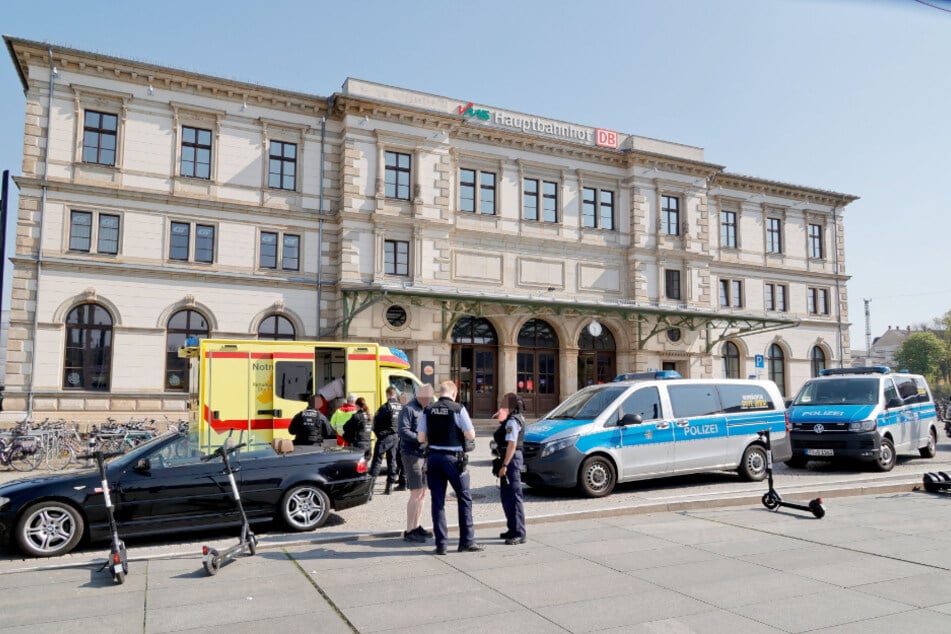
{"x":539,"y":125}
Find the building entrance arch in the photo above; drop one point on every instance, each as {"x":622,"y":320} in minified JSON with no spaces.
{"x":474,"y":366}
{"x":596,"y":358}
{"x":538,"y":367}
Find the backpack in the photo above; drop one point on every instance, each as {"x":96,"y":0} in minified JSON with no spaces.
{"x":354,"y":430}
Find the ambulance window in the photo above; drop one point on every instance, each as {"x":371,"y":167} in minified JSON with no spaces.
{"x":405,"y":387}
{"x":293,"y":380}
{"x":744,"y":398}
{"x":645,"y":402}
{"x":690,"y":401}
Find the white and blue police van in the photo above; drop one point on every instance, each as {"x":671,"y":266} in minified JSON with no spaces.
{"x":868,"y":413}
{"x":652,"y":425}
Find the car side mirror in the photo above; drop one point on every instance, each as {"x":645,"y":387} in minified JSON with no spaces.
{"x":893,"y":403}
{"x":144,"y":465}
{"x":788,"y":403}
{"x":631,"y":419}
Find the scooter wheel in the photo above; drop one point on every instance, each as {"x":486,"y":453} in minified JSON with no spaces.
{"x":770,"y":501}
{"x":252,"y":545}
{"x":817,"y":509}
{"x":212,"y":562}
{"x":119,"y":577}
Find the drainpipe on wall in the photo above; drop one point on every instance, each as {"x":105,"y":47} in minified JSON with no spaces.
{"x":39,"y":244}
{"x":838,"y":290}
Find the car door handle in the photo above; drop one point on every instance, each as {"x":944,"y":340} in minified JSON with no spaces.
{"x":683,"y":423}
{"x":662,"y":425}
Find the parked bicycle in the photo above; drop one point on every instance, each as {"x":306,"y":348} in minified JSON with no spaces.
{"x":22,"y":453}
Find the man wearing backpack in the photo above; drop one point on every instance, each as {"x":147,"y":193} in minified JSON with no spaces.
{"x":385,"y":424}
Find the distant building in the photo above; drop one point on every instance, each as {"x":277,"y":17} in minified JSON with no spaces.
{"x":504,"y":250}
{"x":883,"y":348}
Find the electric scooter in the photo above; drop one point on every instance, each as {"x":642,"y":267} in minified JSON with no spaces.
{"x":118,"y":562}
{"x":211,"y":559}
{"x":772,"y":500}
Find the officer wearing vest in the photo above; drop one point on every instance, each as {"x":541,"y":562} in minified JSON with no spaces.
{"x":509,"y":438}
{"x":385,"y":425}
{"x":310,"y":427}
{"x":445,"y":427}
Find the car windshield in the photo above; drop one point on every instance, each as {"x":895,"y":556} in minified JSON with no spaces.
{"x":840,"y":391}
{"x":588,"y":403}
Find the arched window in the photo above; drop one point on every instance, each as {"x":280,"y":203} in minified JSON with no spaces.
{"x":182,"y":325}
{"x":474,"y":330}
{"x":818,"y":360}
{"x":596,"y":357}
{"x":731,"y":360}
{"x":88,"y":360}
{"x":776,"y":362}
{"x":276,"y":327}
{"x":537,"y":369}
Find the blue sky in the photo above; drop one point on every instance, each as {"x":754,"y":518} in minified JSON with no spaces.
{"x":848,"y":95}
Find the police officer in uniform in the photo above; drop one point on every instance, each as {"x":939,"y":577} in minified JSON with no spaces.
{"x":445,"y":427}
{"x":509,"y":438}
{"x":309,"y":426}
{"x":385,"y":424}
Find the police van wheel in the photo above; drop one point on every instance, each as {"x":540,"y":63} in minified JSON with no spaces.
{"x":929,"y":450}
{"x":753,"y":465}
{"x":597,"y":477}
{"x":886,"y":457}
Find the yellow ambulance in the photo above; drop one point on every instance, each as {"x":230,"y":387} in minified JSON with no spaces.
{"x":256,"y":387}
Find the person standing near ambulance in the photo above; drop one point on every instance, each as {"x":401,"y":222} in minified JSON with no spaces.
{"x":385,"y":423}
{"x":309,"y":426}
{"x":414,"y":463}
{"x":445,"y":427}
{"x":342,"y":415}
{"x":510,"y":435}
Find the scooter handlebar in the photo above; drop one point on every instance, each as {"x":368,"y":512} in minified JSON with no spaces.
{"x":220,"y":451}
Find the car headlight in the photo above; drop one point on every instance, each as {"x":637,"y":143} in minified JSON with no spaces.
{"x":558,"y":445}
{"x":3,"y":502}
{"x":865,"y":425}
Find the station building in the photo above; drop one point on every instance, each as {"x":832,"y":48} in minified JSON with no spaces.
{"x":504,"y":250}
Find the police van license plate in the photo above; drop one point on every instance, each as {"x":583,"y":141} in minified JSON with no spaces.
{"x":819,"y":452}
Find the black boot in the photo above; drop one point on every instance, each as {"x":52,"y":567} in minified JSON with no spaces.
{"x":389,"y":488}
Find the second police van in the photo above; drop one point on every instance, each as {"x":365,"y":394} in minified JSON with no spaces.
{"x":866,"y":413}
{"x":652,"y":425}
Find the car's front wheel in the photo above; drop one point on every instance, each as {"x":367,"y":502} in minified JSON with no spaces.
{"x":597,"y":478}
{"x":753,"y":465}
{"x":886,"y":457}
{"x":49,"y":529}
{"x":305,"y":507}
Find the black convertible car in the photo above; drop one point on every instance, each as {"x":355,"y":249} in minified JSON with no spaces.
{"x":164,"y":487}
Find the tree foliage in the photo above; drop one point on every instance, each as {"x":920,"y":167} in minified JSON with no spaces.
{"x":922,"y":353}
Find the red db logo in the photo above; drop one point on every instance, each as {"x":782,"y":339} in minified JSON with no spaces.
{"x":605,"y":138}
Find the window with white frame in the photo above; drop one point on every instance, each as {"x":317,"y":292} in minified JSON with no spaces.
{"x":539,"y":200}
{"x":670,"y":215}
{"x":597,"y":208}
{"x":815,"y":242}
{"x":397,"y":175}
{"x":100,"y":134}
{"x":774,"y":235}
{"x":776,"y":297}
{"x":477,"y":191}
{"x":87,"y":228}
{"x":277,"y":247}
{"x":728,"y":229}
{"x":731,"y":293}
{"x":191,"y":242}
{"x":282,"y":166}
{"x":817,"y":301}
{"x":396,"y":257}
{"x":196,"y":152}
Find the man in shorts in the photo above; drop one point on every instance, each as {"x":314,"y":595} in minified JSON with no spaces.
{"x":414,"y":463}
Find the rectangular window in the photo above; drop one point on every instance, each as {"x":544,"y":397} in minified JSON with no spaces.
{"x":282,"y":166}
{"x":670,"y":215}
{"x":774,"y":235}
{"x":397,"y":175}
{"x":817,"y":301}
{"x":731,"y":293}
{"x":196,"y":152}
{"x":549,"y":201}
{"x":530,"y":199}
{"x":467,"y":191}
{"x":99,"y":137}
{"x":672,"y":283}
{"x":108,"y":234}
{"x":815,"y":241}
{"x":597,"y":208}
{"x":80,"y":231}
{"x":396,"y":257}
{"x":728,"y":229}
{"x":180,"y":241}
{"x":276,"y":247}
{"x":776,"y":297}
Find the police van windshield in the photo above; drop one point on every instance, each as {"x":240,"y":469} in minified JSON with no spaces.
{"x":587,"y":404}
{"x":844,"y":391}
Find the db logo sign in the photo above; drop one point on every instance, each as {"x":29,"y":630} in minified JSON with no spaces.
{"x":606,"y":138}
